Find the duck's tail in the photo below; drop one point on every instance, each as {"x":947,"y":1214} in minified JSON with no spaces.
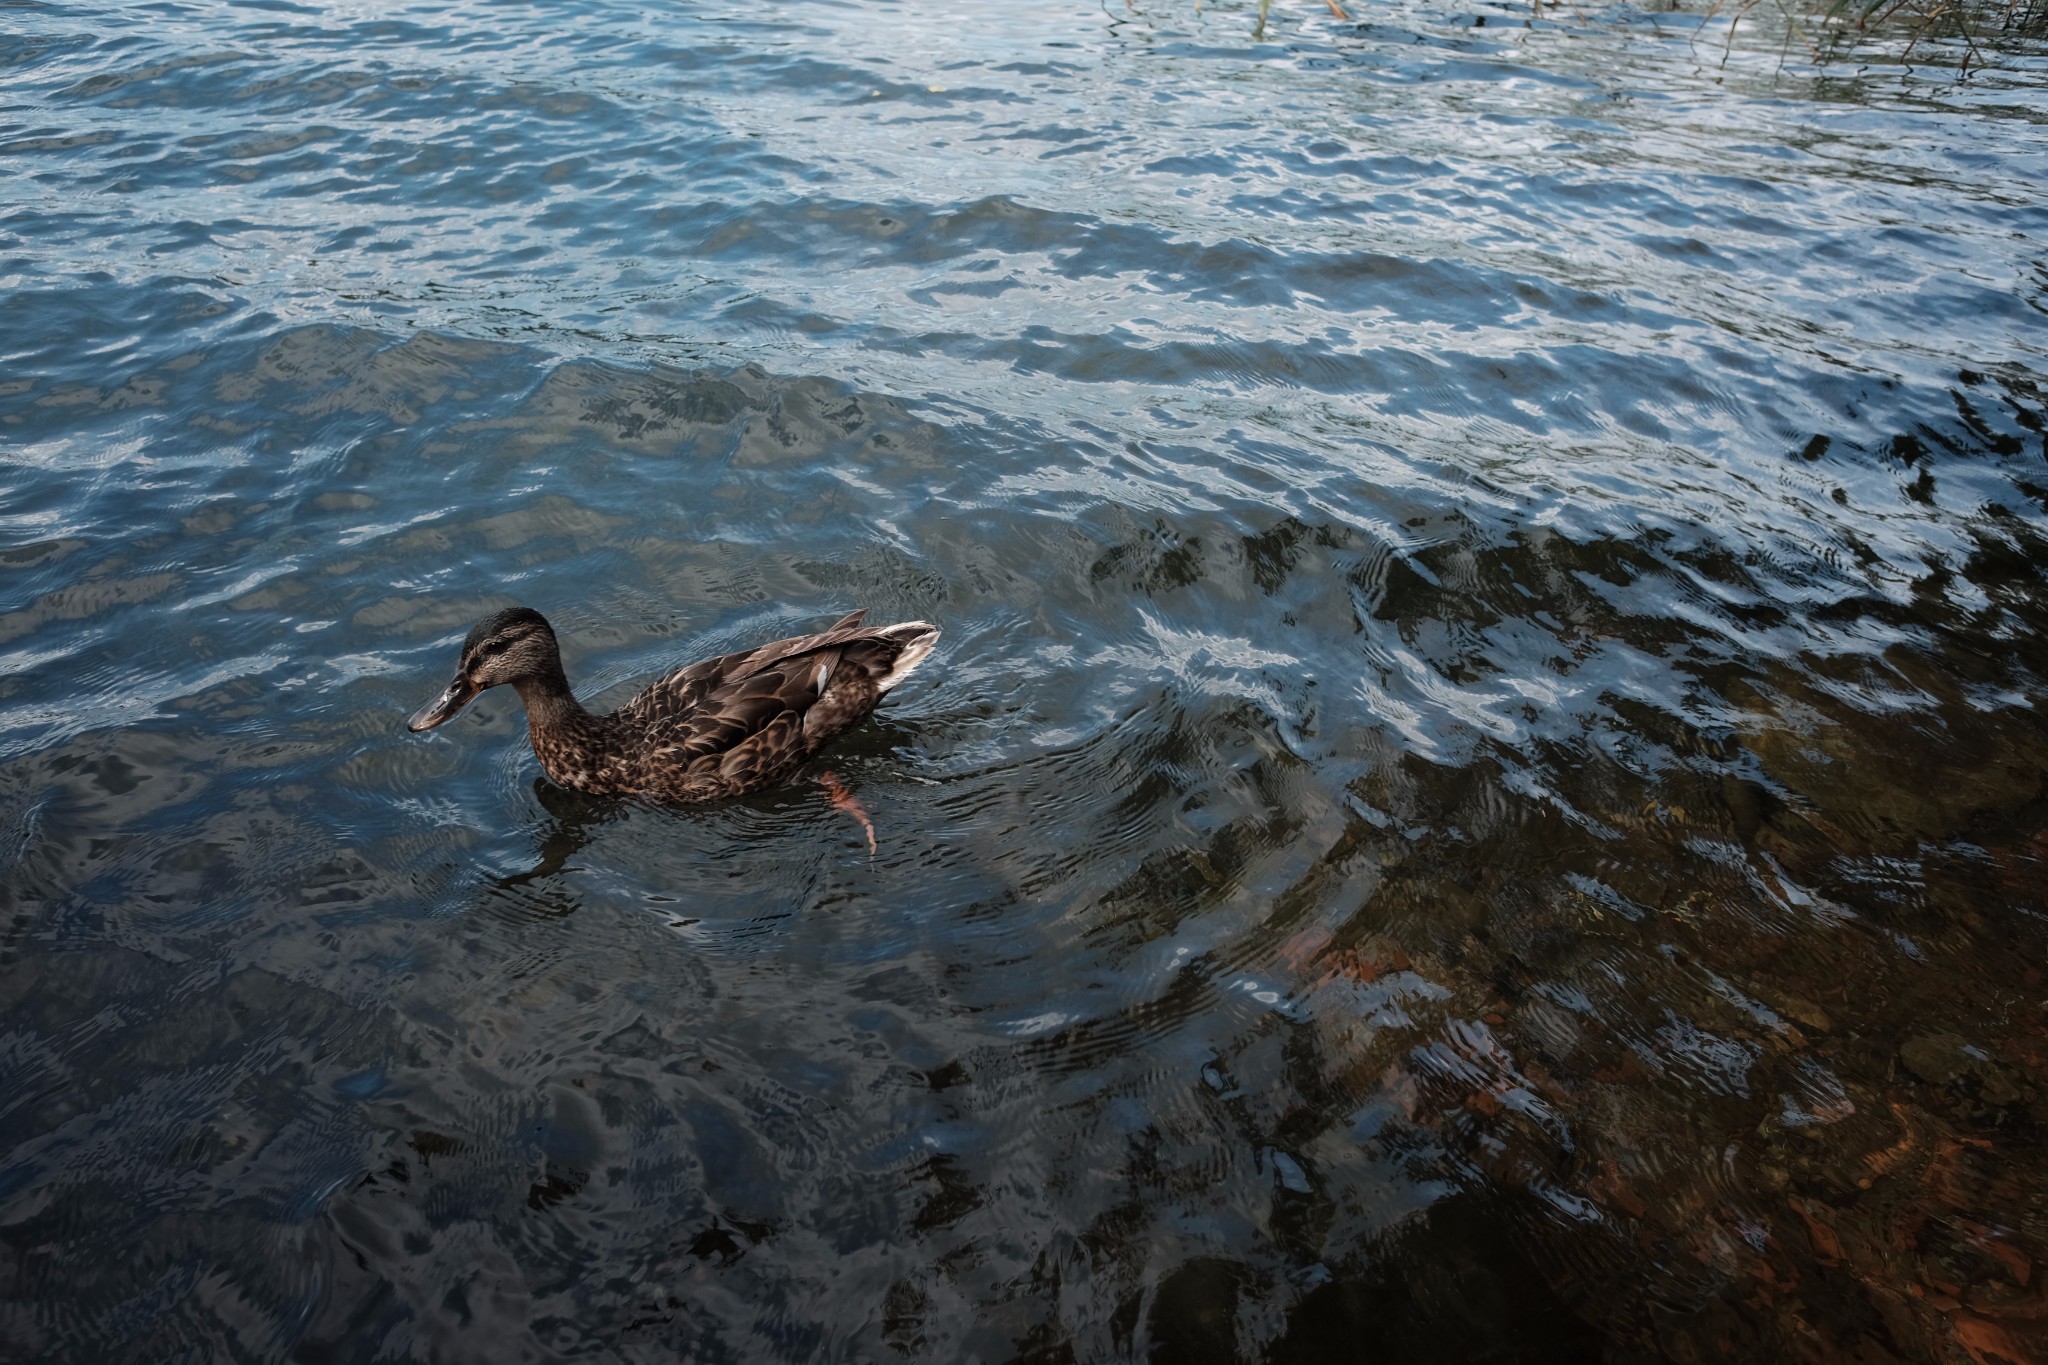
{"x":914,"y":641}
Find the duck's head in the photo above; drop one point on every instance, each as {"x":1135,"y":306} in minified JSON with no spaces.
{"x":516,"y":644}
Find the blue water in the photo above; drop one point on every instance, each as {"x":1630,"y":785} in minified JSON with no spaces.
{"x":1483,"y":796}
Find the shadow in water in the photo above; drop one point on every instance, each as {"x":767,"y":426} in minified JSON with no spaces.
{"x":573,"y":819}
{"x":1451,"y":1287}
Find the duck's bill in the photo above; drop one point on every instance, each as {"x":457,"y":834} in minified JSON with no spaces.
{"x":442,"y":707}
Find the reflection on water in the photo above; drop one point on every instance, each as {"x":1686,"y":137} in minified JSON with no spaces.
{"x":1483,"y":797}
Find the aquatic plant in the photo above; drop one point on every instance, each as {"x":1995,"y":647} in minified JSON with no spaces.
{"x":1849,"y":29}
{"x":1827,"y":31}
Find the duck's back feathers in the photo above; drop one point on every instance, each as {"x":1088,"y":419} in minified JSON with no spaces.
{"x":748,"y":720}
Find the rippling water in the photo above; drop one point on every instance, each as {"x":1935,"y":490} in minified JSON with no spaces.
{"x":1483,"y":796}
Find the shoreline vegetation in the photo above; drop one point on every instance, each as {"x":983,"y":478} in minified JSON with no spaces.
{"x":1965,"y":34}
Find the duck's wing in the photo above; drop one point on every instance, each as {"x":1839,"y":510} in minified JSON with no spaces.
{"x":739,"y":713}
{"x":691,"y":686}
{"x":759,"y":706}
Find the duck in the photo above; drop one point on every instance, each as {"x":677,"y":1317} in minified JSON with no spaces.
{"x":714,"y":729}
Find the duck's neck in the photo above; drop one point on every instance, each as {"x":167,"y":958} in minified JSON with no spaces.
{"x":550,"y":705}
{"x":571,"y":744}
{"x":549,"y":702}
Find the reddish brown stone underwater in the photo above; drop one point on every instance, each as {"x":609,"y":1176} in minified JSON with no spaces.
{"x":1841,"y":1153}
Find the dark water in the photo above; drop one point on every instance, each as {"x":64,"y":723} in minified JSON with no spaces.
{"x":1484,"y":796}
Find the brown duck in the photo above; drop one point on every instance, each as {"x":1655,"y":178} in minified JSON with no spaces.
{"x":734,"y":724}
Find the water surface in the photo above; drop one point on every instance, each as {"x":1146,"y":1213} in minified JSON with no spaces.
{"x":1483,"y":796}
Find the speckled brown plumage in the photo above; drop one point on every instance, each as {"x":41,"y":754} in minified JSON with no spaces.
{"x":734,"y":724}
